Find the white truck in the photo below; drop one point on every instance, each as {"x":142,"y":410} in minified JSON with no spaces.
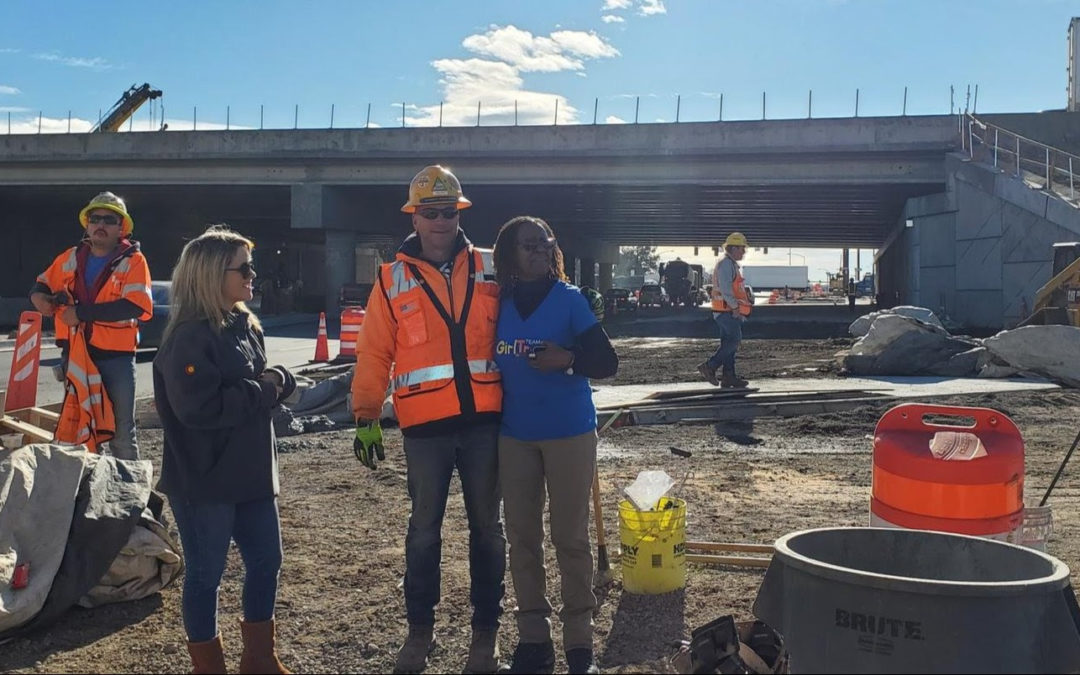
{"x":768,"y":277}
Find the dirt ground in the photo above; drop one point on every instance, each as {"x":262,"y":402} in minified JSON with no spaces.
{"x":340,"y":607}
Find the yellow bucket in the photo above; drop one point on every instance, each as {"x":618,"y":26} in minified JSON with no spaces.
{"x":653,"y":546}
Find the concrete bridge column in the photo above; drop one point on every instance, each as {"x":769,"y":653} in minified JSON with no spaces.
{"x":607,"y":273}
{"x":588,"y":272}
{"x":340,"y":266}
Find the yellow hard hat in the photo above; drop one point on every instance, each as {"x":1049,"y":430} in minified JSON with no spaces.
{"x":434,"y":185}
{"x":107,"y":200}
{"x":735,"y":239}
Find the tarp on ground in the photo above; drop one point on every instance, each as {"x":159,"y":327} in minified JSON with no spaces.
{"x":69,"y":515}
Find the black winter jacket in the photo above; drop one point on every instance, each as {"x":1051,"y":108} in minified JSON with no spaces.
{"x":216,"y":413}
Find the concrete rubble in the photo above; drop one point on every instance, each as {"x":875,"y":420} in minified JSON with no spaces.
{"x":912,"y":341}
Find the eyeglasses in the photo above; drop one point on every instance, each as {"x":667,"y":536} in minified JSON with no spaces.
{"x":538,"y":246}
{"x":245,"y":268}
{"x":449,"y":213}
{"x":103,"y":220}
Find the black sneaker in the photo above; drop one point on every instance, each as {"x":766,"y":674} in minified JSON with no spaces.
{"x":580,"y":660}
{"x":533,"y":657}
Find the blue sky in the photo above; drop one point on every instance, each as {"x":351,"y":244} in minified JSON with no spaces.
{"x":79,"y":56}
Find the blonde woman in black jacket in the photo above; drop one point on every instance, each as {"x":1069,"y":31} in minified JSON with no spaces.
{"x":215,"y":394}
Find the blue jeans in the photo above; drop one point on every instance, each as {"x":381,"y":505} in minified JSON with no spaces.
{"x":430,"y":464}
{"x":205,"y":532}
{"x":730,"y":337}
{"x":118,"y":378}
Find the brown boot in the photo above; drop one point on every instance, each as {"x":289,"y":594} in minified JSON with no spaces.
{"x":731,"y":381}
{"x":412,"y":657}
{"x":207,"y":657}
{"x":709,"y":373}
{"x":259,"y":655}
{"x":483,"y":652}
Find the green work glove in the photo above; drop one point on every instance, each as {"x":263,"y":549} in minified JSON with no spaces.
{"x":368,"y":443}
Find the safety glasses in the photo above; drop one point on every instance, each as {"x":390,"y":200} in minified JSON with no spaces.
{"x":245,"y":268}
{"x":538,"y":246}
{"x":103,"y":220}
{"x":449,"y":213}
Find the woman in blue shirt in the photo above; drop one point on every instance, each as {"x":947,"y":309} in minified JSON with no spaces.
{"x":548,"y":346}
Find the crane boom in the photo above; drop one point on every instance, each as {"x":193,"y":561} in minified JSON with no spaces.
{"x":123,"y":109}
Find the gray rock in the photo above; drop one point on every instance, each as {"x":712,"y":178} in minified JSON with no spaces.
{"x":1051,"y":351}
{"x":861,"y":326}
{"x":898,"y":345}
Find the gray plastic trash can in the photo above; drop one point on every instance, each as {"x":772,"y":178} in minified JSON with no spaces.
{"x":870,"y":600}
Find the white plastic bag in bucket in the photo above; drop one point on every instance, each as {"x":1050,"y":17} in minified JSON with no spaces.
{"x":648,"y":488}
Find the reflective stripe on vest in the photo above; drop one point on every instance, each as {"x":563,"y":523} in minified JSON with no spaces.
{"x":441,"y":372}
{"x":400,"y":281}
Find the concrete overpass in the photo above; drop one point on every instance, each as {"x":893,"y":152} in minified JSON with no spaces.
{"x":318,"y":194}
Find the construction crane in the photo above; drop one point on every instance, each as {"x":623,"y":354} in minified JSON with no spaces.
{"x":123,"y":109}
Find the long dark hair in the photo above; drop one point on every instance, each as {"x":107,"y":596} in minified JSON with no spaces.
{"x":505,"y":255}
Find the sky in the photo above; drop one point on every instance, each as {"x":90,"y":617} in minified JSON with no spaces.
{"x":356,"y":63}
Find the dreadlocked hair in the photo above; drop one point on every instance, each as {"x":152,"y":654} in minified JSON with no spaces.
{"x":505,"y":254}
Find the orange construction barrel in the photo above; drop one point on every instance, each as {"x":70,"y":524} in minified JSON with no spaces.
{"x":971,"y":482}
{"x":351,"y":320}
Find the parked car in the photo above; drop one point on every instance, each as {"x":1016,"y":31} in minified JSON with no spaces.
{"x":653,"y":295}
{"x":620,"y":300}
{"x":150,"y":332}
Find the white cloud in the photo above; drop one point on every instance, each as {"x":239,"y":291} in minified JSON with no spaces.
{"x":8,"y":50}
{"x":97,"y":63}
{"x":651,"y":7}
{"x":563,"y":50}
{"x":496,"y":81}
{"x":5,"y":89}
{"x":49,"y":125}
{"x":615,"y":4}
{"x":612,"y":18}
{"x":614,"y":119}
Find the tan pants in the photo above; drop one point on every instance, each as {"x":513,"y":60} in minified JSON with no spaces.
{"x":563,"y":468}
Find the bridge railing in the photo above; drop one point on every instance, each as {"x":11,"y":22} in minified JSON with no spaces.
{"x":1046,"y":166}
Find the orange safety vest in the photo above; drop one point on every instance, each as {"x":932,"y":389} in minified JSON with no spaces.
{"x":87,"y":413}
{"x":126,"y":277}
{"x":738,"y":288}
{"x":439,"y":338}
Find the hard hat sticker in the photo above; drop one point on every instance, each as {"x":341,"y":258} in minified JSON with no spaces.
{"x":422,"y":181}
{"x":439,"y":188}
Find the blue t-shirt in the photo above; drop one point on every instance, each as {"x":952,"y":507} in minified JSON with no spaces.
{"x":94,"y":265}
{"x":539,"y":406}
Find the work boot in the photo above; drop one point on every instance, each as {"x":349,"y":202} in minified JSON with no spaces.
{"x":412,"y":657}
{"x":207,"y":657}
{"x":731,"y":381}
{"x":259,"y":655}
{"x":709,"y":373}
{"x":580,"y":660}
{"x":533,"y":657}
{"x":483,"y":652}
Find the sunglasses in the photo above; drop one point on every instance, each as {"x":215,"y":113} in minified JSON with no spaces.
{"x":537,"y":246}
{"x":103,"y":220}
{"x":245,"y":268}
{"x":449,"y":213}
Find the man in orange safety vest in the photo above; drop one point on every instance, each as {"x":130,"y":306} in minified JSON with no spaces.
{"x":101,"y":290}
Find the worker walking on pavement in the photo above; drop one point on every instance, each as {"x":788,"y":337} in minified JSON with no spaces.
{"x":102,"y":289}
{"x":731,"y":304}
{"x":432,"y":317}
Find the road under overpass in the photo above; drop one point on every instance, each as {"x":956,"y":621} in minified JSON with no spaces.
{"x":310,"y":197}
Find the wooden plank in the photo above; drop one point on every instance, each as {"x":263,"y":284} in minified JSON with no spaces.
{"x":746,"y":397}
{"x":731,"y":560}
{"x":744,"y":411}
{"x":46,"y":414}
{"x":729,"y":546}
{"x":35,"y":433}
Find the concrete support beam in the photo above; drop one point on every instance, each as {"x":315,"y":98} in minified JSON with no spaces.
{"x":588,"y":272}
{"x":340,"y":266}
{"x":607,"y":272}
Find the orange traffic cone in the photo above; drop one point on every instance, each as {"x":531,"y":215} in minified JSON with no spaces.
{"x":322,"y":347}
